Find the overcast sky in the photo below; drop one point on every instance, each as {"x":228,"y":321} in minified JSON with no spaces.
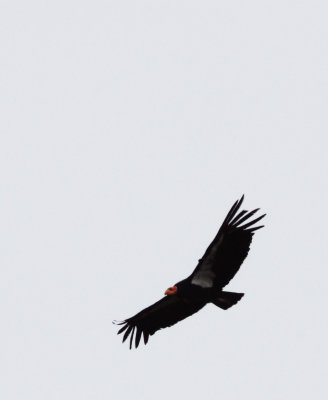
{"x":128,"y":129}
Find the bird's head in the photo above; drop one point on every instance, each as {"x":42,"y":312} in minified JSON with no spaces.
{"x":171,"y":290}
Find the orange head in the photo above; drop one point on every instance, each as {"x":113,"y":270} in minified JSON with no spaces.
{"x":171,"y":290}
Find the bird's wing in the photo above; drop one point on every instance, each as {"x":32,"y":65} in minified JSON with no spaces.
{"x":162,"y":314}
{"x":228,"y":250}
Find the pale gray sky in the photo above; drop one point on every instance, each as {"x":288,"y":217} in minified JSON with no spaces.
{"x":128,"y":129}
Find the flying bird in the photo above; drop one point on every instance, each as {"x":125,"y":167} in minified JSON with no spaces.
{"x":215,"y":269}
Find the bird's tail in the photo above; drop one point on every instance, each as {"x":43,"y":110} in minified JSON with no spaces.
{"x":227,"y":299}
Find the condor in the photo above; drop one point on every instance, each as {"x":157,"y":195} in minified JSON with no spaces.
{"x":215,"y":269}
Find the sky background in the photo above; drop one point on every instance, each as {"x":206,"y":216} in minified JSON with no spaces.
{"x":128,"y":129}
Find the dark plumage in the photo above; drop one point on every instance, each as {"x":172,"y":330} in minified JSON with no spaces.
{"x":215,"y":269}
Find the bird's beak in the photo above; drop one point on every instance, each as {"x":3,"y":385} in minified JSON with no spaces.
{"x":171,"y":290}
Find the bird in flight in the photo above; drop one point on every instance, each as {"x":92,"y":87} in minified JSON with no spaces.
{"x":215,"y":269}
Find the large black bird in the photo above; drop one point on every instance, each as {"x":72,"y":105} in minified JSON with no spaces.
{"x":215,"y":269}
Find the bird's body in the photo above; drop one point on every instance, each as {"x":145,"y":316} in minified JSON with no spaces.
{"x":215,"y":269}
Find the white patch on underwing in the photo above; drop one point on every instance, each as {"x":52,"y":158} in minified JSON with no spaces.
{"x":205,"y":275}
{"x":203,"y":279}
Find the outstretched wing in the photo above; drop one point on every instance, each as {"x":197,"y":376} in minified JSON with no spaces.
{"x":162,"y":314}
{"x":228,"y":250}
